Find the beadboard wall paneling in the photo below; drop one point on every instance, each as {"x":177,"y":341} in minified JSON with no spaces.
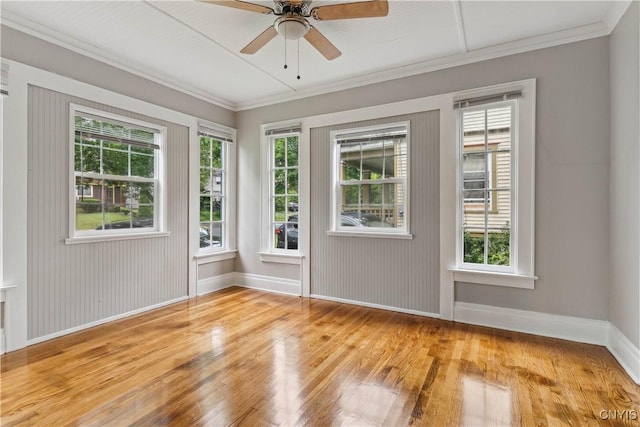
{"x":390,"y":272}
{"x":73,"y":285}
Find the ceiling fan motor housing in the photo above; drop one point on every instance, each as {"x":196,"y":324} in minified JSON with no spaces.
{"x":292,"y":27}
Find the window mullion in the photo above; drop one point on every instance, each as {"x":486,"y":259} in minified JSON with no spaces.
{"x":486,"y":186}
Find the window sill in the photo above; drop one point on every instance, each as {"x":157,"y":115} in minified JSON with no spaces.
{"x":375,"y":235}
{"x":295,"y":259}
{"x":495,"y":279}
{"x":206,"y":258}
{"x":114,"y":237}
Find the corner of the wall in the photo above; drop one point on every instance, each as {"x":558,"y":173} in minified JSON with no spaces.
{"x":625,"y":352}
{"x":269,"y":283}
{"x":216,"y":283}
{"x":570,"y":328}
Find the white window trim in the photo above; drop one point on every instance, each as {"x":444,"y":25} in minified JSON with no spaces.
{"x":378,"y":232}
{"x":513,"y":249}
{"x":81,"y":192}
{"x":159,"y":206}
{"x":268,"y":253}
{"x":228,"y":250}
{"x":206,"y":258}
{"x":521,"y":273}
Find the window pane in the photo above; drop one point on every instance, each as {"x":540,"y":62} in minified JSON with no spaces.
{"x":139,"y":198}
{"x":205,"y":151}
{"x":499,"y":140}
{"x":142,"y":165}
{"x":499,"y":208}
{"x":87,"y":158}
{"x":216,"y":209}
{"x":501,"y":170}
{"x":216,"y":234}
{"x":279,"y":152}
{"x":205,"y":234}
{"x":292,"y":151}
{"x":279,"y":181}
{"x":217,"y":154}
{"x":292,"y":204}
{"x":216,"y":183}
{"x":350,"y":161}
{"x":292,"y":181}
{"x":279,"y":209}
{"x":142,"y":150}
{"x":371,"y":194}
{"x":291,"y":234}
{"x":88,"y":209}
{"x":115,"y":162}
{"x":499,"y":247}
{"x":350,"y":198}
{"x":473,"y":127}
{"x":206,"y":181}
{"x":372,"y":167}
{"x":473,"y":250}
{"x":474,"y":212}
{"x":205,"y":208}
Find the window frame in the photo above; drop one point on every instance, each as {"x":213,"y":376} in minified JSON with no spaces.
{"x":520,"y":273}
{"x":159,"y":179}
{"x":337,"y":229}
{"x":227,"y":136}
{"x":272,"y":168}
{"x":492,"y":208}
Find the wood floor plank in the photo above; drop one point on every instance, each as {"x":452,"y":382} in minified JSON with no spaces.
{"x":242,"y":357}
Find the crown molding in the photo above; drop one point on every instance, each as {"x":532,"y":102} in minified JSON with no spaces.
{"x":600,"y":29}
{"x":617,"y":9}
{"x":520,"y":46}
{"x":86,"y":49}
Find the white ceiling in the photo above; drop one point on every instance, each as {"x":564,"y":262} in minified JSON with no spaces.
{"x":195,"y":46}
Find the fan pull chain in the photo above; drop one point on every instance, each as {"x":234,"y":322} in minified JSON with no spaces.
{"x":285,"y":47}
{"x":298,"y":59}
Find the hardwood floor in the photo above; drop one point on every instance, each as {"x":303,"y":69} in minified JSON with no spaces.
{"x":244,"y":357}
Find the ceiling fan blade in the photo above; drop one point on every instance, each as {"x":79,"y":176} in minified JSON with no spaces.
{"x":259,"y":42}
{"x":363,"y":9}
{"x":320,"y":42}
{"x":238,"y":4}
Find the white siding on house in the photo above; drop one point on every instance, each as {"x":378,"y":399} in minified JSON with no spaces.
{"x":499,"y":146}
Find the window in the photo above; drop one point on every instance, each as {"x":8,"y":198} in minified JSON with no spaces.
{"x":84,"y":191}
{"x":116,"y":175}
{"x":283,"y":148}
{"x":495,"y":204}
{"x":213,"y":199}
{"x":486,"y":155}
{"x":371,"y":179}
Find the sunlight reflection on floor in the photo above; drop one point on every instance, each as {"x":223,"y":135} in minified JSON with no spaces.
{"x":484,"y":404}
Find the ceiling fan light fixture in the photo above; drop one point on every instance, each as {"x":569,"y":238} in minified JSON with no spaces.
{"x":292,"y":27}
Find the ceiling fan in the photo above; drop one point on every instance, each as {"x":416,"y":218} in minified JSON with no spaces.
{"x":293,"y":22}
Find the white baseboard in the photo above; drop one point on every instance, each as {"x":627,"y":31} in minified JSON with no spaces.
{"x":627,"y":354}
{"x":532,"y":322}
{"x":216,"y":283}
{"x":269,"y":283}
{"x":380,"y":306}
{"x":599,"y":332}
{"x":103,"y":321}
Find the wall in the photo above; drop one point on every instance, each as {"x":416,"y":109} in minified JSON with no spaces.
{"x":390,"y":272}
{"x":30,"y":50}
{"x":74,"y":285}
{"x":62,"y":295}
{"x":624,"y":278}
{"x":572,"y":158}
